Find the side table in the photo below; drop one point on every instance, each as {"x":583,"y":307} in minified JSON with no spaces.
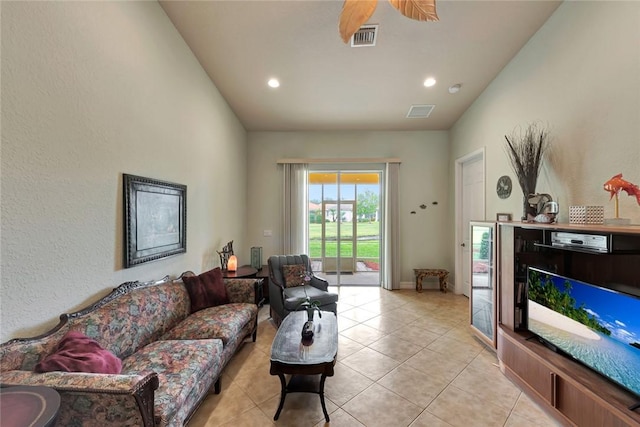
{"x":34,"y":406}
{"x":245,"y":271}
{"x":440,"y":273}
{"x":263,"y":274}
{"x":248,"y":272}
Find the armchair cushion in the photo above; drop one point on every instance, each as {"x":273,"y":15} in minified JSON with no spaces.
{"x":206,"y":289}
{"x":293,"y":275}
{"x":293,"y":297}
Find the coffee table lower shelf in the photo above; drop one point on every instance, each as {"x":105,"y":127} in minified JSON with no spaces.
{"x":311,"y":380}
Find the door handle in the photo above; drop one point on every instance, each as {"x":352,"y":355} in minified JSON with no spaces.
{"x":463,"y":245}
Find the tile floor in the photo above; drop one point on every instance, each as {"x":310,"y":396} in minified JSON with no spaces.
{"x":404,"y":359}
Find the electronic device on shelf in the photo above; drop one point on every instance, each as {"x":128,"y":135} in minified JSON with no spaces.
{"x":588,"y":242}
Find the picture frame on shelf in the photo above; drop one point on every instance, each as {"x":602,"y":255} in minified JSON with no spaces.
{"x":256,"y":257}
{"x":155,"y":219}
{"x":503,"y":217}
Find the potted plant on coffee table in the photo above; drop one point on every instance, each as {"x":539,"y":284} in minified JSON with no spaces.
{"x":308,"y":304}
{"x":311,"y":306}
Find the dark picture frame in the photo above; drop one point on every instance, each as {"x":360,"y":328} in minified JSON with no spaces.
{"x":155,"y":219}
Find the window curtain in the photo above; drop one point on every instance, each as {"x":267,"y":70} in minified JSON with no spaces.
{"x":391,"y":264}
{"x":296,"y":206}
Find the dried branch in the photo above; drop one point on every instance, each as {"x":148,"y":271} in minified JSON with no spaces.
{"x":526,"y":152}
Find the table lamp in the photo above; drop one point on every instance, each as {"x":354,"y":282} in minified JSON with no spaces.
{"x":233,"y":263}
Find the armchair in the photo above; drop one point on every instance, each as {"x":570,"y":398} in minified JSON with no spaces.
{"x":284,"y":300}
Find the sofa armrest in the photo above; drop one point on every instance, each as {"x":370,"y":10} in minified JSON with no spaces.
{"x":243,"y":290}
{"x":95,"y":399}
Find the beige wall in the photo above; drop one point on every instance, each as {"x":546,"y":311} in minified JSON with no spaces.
{"x":92,"y":90}
{"x":580,"y":74}
{"x":423,"y":173}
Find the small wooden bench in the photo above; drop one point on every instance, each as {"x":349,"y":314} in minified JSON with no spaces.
{"x":441,"y":274}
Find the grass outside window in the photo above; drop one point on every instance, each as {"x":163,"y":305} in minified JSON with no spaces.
{"x":368,"y":248}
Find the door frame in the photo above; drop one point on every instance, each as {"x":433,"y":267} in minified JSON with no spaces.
{"x":459,"y":261}
{"x":348,"y":167}
{"x":342,"y":265}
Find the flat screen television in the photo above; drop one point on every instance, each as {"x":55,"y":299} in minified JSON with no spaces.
{"x":596,"y":326}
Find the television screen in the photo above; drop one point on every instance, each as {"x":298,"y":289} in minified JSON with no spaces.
{"x":596,"y":326}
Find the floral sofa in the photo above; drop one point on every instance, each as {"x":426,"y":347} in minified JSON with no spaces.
{"x":170,"y":357}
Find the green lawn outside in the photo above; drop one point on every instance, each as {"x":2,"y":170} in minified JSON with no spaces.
{"x":364,"y":229}
{"x":366,"y":249}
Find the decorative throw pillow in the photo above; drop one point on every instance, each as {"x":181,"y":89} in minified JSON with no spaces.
{"x":206,"y":289}
{"x":293,"y":275}
{"x":77,"y":352}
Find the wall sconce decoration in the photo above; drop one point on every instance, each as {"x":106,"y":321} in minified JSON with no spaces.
{"x":232,"y":265}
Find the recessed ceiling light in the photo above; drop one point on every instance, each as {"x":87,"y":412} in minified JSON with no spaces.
{"x":455,"y":88}
{"x":429,"y":82}
{"x":273,"y":83}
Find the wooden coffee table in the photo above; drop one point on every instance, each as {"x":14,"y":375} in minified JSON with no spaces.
{"x":304,"y":362}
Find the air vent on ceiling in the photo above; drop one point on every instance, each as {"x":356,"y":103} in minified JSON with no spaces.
{"x":420,"y":111}
{"x":365,"y":36}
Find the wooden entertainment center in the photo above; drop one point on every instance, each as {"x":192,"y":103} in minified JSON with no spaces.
{"x":571,"y":392}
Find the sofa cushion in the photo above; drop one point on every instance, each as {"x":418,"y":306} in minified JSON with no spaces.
{"x":293,"y":275}
{"x":206,"y":289}
{"x":293,"y":297}
{"x":77,"y":352}
{"x":181,"y":367}
{"x":223,"y":322}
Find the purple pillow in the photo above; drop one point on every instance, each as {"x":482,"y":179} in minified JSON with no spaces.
{"x":78,"y":353}
{"x":206,"y":289}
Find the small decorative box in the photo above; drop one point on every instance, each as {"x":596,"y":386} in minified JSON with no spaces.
{"x":586,"y":214}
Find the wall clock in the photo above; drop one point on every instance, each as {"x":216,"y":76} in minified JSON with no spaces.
{"x":503,"y":188}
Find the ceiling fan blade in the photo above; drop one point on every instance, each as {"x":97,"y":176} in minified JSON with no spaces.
{"x":354,"y":14}
{"x":420,"y":10}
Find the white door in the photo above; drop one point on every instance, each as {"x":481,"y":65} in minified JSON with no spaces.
{"x":470,"y":207}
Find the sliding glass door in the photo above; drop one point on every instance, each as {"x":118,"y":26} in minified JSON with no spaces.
{"x":344,"y":225}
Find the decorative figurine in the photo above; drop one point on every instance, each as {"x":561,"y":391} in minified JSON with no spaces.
{"x":544,"y":207}
{"x":226,"y":252}
{"x":614,"y":186}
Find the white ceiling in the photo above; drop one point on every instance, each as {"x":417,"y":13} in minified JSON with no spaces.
{"x":328,"y":85}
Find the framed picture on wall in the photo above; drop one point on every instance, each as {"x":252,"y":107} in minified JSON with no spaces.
{"x":155,"y":219}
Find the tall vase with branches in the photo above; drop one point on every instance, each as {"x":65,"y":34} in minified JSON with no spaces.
{"x":526,"y":150}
